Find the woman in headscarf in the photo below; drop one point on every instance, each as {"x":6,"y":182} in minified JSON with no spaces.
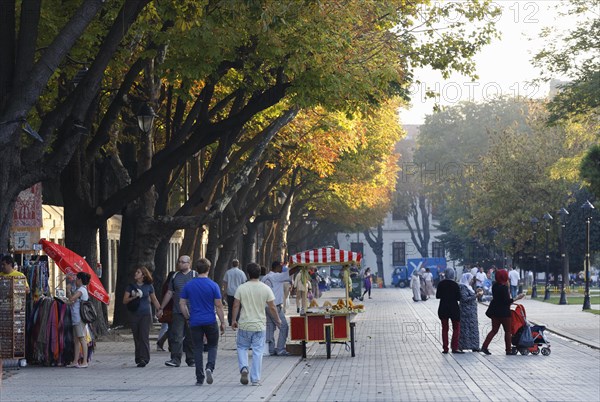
{"x":469,"y":330}
{"x":499,"y":312}
{"x":415,"y":284}
{"x":449,"y":294}
{"x":428,"y":276}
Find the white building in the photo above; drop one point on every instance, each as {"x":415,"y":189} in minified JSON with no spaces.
{"x":398,"y":245}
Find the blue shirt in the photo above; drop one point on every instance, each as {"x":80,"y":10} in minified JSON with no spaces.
{"x":201,"y":294}
{"x":146,"y":289}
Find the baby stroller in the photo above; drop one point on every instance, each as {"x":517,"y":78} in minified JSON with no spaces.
{"x":523,"y":343}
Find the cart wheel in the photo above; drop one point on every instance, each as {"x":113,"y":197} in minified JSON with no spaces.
{"x":402,"y":284}
{"x":524,"y":351}
{"x":328,"y":340}
{"x":535,"y":352}
{"x":546,"y":351}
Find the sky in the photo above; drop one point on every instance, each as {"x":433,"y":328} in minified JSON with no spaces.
{"x":503,"y":66}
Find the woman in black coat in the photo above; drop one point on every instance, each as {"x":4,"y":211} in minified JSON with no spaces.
{"x":499,"y":312}
{"x":448,"y":292}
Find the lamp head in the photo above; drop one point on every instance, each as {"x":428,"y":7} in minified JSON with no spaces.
{"x":588,"y":209}
{"x":145,"y":116}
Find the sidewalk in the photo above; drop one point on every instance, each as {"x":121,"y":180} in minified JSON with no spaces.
{"x":398,"y":357}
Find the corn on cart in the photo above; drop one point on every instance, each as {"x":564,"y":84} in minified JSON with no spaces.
{"x":329,"y":323}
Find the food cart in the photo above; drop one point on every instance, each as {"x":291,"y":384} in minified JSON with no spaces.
{"x":329,"y":323}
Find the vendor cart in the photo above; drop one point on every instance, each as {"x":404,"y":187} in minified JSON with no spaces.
{"x":330,"y":323}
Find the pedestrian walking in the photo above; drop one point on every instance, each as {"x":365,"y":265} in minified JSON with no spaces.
{"x":415,"y":285}
{"x":367,"y":282}
{"x":302,"y":286}
{"x":428,"y":276}
{"x":514,"y":278}
{"x":137,"y":298}
{"x":200,"y":297}
{"x":499,"y":312}
{"x":180,"y":337}
{"x":167,"y":316}
{"x":449,"y":294}
{"x":469,"y":329}
{"x":275,"y":280}
{"x":234,"y":277}
{"x":249,"y":301}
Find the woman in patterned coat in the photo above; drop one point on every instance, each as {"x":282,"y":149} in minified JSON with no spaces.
{"x":469,"y":330}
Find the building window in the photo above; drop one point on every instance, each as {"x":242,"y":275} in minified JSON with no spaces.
{"x":399,"y":253}
{"x":357,"y":248}
{"x":437,"y":250}
{"x":397,"y":214}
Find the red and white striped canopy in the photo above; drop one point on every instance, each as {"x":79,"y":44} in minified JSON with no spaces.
{"x":324,"y":256}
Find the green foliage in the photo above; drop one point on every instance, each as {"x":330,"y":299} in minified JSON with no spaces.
{"x":493,"y":166}
{"x":590,"y":169}
{"x":573,"y":53}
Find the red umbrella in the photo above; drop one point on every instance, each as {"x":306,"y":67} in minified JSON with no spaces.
{"x":71,"y":263}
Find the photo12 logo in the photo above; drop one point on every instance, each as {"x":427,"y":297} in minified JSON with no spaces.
{"x":469,"y":91}
{"x":525,"y":12}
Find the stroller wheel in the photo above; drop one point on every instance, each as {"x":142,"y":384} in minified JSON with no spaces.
{"x":524,"y":351}
{"x":546,"y":351}
{"x":535,"y":352}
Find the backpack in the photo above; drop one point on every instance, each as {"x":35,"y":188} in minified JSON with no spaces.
{"x":87,"y":312}
{"x":134,"y":304}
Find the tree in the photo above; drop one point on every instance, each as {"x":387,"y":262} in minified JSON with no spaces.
{"x":573,"y":53}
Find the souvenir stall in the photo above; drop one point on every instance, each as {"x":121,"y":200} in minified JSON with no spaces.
{"x":329,"y":323}
{"x":12,"y":318}
{"x":50,"y":340}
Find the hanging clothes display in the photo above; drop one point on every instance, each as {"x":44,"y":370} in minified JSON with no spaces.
{"x":50,"y":339}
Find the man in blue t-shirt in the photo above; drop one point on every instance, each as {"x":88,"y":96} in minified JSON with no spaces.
{"x":203,"y":296}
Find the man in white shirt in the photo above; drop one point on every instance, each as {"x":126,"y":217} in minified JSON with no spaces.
{"x":234,"y":277}
{"x":275,"y":280}
{"x":514,"y":278}
{"x":480,"y":278}
{"x":252,"y":295}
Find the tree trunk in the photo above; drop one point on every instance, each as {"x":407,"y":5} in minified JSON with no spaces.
{"x":9,"y":190}
{"x":376,"y":244}
{"x":226,"y":254}
{"x":160,"y":266}
{"x":249,"y":245}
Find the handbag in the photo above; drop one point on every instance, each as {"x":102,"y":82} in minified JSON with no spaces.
{"x":87,"y":312}
{"x":167,"y":315}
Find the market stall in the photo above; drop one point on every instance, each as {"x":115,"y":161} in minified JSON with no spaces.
{"x":328,"y":323}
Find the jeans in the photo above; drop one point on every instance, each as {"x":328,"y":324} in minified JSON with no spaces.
{"x":256,"y":341}
{"x":506,"y":326}
{"x":212,"y":336}
{"x":180,"y":339}
{"x":283,"y":331}
{"x":513,"y":291}
{"x":140,"y":328}
{"x":455,"y":334}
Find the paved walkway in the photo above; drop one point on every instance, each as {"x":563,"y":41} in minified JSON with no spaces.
{"x":397,"y":358}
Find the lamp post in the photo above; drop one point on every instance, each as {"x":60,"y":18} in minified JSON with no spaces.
{"x":588,"y":208}
{"x":145,"y":118}
{"x":534,"y":222}
{"x":565,"y":265}
{"x":547,"y":218}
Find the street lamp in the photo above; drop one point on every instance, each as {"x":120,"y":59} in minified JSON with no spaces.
{"x":548,"y":218}
{"x":534,"y":222}
{"x":145,"y":118}
{"x":588,"y":209}
{"x":565,"y":274}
